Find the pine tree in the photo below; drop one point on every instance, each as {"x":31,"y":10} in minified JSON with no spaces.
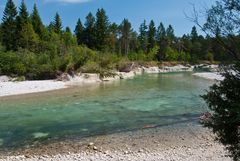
{"x":68,"y":38}
{"x":9,"y":26}
{"x":126,"y":29}
{"x":194,"y":34}
{"x":28,"y":38}
{"x":102,"y":29}
{"x":161,"y":32}
{"x":22,"y":21}
{"x":23,"y":14}
{"x":79,"y":32}
{"x":151,"y":35}
{"x":162,"y":41}
{"x":143,"y":37}
{"x":113,"y":38}
{"x":170,"y":33}
{"x":57,"y":24}
{"x":37,"y":22}
{"x":89,"y":31}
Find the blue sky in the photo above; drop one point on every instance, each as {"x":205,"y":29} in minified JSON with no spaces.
{"x":166,"y":11}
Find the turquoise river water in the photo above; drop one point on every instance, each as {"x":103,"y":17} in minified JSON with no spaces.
{"x":147,"y":100}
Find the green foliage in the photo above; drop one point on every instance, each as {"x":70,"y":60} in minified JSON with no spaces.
{"x":37,"y":52}
{"x":9,"y":25}
{"x":223,"y":100}
{"x":184,"y":56}
{"x":37,"y":22}
{"x":57,"y":24}
{"x":90,"y":67}
{"x":89,"y":31}
{"x":79,"y":32}
{"x":143,"y":37}
{"x":170,"y":33}
{"x":101,"y":29}
{"x":170,"y":54}
{"x":151,"y":35}
{"x":125,"y":29}
{"x":152,"y":54}
{"x":28,"y":39}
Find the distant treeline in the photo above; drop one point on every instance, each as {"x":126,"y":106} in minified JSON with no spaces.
{"x":32,"y":49}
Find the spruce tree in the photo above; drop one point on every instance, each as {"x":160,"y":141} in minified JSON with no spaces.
{"x":28,"y":39}
{"x":170,"y":33}
{"x":22,"y":22}
{"x":194,"y":34}
{"x":79,"y":32}
{"x":113,"y":38}
{"x":161,"y":32}
{"x":151,"y":35}
{"x":126,"y":29}
{"x":37,"y":22}
{"x":23,"y":16}
{"x":162,"y":41}
{"x":143,"y":36}
{"x":102,"y":29}
{"x":57,"y":24}
{"x":89,"y":31}
{"x":9,"y":26}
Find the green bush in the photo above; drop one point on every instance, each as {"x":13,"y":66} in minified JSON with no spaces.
{"x":170,"y":54}
{"x":90,"y":67}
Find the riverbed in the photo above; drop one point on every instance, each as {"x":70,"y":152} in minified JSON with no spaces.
{"x":149,"y":101}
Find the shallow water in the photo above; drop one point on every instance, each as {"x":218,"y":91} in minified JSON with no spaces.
{"x":145,"y":101}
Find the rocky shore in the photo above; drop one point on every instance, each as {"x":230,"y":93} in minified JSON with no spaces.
{"x":9,"y":87}
{"x":181,"y":142}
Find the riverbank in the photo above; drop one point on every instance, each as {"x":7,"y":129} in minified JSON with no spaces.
{"x":210,"y":76}
{"x":185,"y":141}
{"x":9,"y":88}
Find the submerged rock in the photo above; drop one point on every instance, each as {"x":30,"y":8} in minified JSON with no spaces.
{"x":1,"y":142}
{"x":40,"y":135}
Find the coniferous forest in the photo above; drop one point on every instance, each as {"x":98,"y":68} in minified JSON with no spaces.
{"x":38,"y":51}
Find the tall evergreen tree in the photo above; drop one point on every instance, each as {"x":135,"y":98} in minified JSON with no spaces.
{"x":28,"y":39}
{"x":69,"y":39}
{"x":89,"y":31}
{"x":170,"y":33}
{"x":143,"y":36}
{"x":9,"y":25}
{"x":102,"y":29}
{"x":23,"y":16}
{"x":194,"y":34}
{"x":113,"y":38}
{"x":162,"y":41}
{"x":26,"y":36}
{"x":161,"y":32}
{"x":37,"y":22}
{"x":151,"y":35}
{"x":57,"y":24}
{"x":134,"y":43}
{"x":79,"y":32}
{"x":126,"y":29}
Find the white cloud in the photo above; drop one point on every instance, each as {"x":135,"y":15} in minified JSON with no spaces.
{"x":69,"y":1}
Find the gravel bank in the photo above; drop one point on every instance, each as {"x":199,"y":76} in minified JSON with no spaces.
{"x":182,"y":142}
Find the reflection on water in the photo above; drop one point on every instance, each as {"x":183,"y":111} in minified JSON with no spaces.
{"x":156,"y":99}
